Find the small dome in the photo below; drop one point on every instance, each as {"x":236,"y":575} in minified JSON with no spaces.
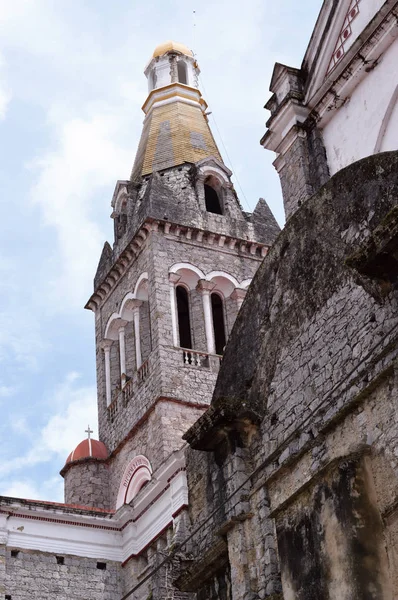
{"x":88,"y":448}
{"x":167,"y":46}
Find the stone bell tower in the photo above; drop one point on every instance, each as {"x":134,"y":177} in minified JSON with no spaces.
{"x":167,"y":293}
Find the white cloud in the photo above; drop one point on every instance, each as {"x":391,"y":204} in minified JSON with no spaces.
{"x":7,"y":390}
{"x":30,"y":489}
{"x":5,"y":92}
{"x":5,"y":97}
{"x":76,"y":407}
{"x":86,"y":159}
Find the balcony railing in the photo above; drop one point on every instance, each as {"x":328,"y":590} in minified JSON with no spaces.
{"x":143,"y":371}
{"x":198,"y":359}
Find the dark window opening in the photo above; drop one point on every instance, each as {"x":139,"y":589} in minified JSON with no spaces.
{"x":212,"y":201}
{"x":182,"y":72}
{"x":184,"y":321}
{"x":7,"y":597}
{"x":60,"y":560}
{"x":101,"y":566}
{"x":14,"y":553}
{"x":218,"y":323}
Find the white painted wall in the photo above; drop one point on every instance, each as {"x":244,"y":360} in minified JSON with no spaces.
{"x":367,"y":10}
{"x":161,"y":67}
{"x":353,"y":131}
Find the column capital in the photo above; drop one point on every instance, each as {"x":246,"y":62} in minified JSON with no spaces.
{"x":121,"y":324}
{"x":239,"y":294}
{"x":105,"y":345}
{"x":205,"y":286}
{"x":174,"y":278}
{"x":132,"y":304}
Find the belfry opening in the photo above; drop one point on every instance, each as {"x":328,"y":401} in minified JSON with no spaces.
{"x":212,"y":200}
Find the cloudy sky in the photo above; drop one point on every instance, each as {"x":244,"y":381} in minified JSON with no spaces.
{"x":71,"y":88}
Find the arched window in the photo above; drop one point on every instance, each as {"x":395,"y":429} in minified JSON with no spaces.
{"x":182,"y":72}
{"x":212,"y":200}
{"x":184,"y":321}
{"x":218,"y":322}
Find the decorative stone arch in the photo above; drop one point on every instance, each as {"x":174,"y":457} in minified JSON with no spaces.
{"x":386,"y":121}
{"x":211,"y":166}
{"x":245,"y":283}
{"x":188,"y":274}
{"x":141,"y":287}
{"x":120,"y":197}
{"x":213,"y":181}
{"x":113,"y":325}
{"x":223,"y":286}
{"x":224,"y":282}
{"x":136,"y":474}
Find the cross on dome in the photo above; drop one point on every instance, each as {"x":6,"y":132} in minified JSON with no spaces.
{"x":88,"y":431}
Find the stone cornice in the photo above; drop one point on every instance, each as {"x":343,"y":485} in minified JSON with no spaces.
{"x":177,"y":91}
{"x":186,"y":234}
{"x":225,"y":416}
{"x":291,"y":113}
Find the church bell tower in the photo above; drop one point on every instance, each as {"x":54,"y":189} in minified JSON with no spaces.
{"x":166,"y":295}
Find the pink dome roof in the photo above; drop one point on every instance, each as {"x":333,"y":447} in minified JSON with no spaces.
{"x":88,"y":448}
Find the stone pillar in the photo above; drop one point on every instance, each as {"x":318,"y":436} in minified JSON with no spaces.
{"x":205,"y":287}
{"x":106,"y":346}
{"x":122,"y":350}
{"x":240,"y":534}
{"x":173,"y":280}
{"x":239,"y":295}
{"x":137,"y":336}
{"x":173,"y":68}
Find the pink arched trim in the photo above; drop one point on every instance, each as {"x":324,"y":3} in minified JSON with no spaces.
{"x":137,"y":472}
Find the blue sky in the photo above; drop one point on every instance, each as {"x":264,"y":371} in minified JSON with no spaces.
{"x":71,"y":88}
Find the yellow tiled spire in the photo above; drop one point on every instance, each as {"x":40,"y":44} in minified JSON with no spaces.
{"x":176,"y":128}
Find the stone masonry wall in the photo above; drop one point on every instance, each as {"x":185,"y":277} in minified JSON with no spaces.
{"x":165,"y":376}
{"x":156,"y":438}
{"x":87,"y":483}
{"x":305,"y":168}
{"x":37,"y":574}
{"x":307,"y":389}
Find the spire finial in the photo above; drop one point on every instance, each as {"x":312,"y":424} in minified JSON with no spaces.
{"x":88,"y":431}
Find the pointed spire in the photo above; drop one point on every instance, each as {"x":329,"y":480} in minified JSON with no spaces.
{"x":264,"y":222}
{"x":176,"y":128}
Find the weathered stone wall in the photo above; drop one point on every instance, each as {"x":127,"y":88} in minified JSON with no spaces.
{"x":87,"y":483}
{"x":302,"y":433}
{"x":157,"y":255}
{"x":37,"y":574}
{"x":304,"y":169}
{"x":156,"y":437}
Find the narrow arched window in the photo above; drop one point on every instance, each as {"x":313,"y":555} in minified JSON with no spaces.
{"x":212,"y":200}
{"x":184,"y":321}
{"x":182,"y":72}
{"x":218,"y":322}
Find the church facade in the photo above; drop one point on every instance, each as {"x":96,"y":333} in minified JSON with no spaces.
{"x":166,"y":295}
{"x":268,"y":471}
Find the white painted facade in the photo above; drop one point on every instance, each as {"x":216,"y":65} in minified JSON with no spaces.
{"x":159,"y":72}
{"x":367,"y":122}
{"x":61,"y":529}
{"x":347,"y":85}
